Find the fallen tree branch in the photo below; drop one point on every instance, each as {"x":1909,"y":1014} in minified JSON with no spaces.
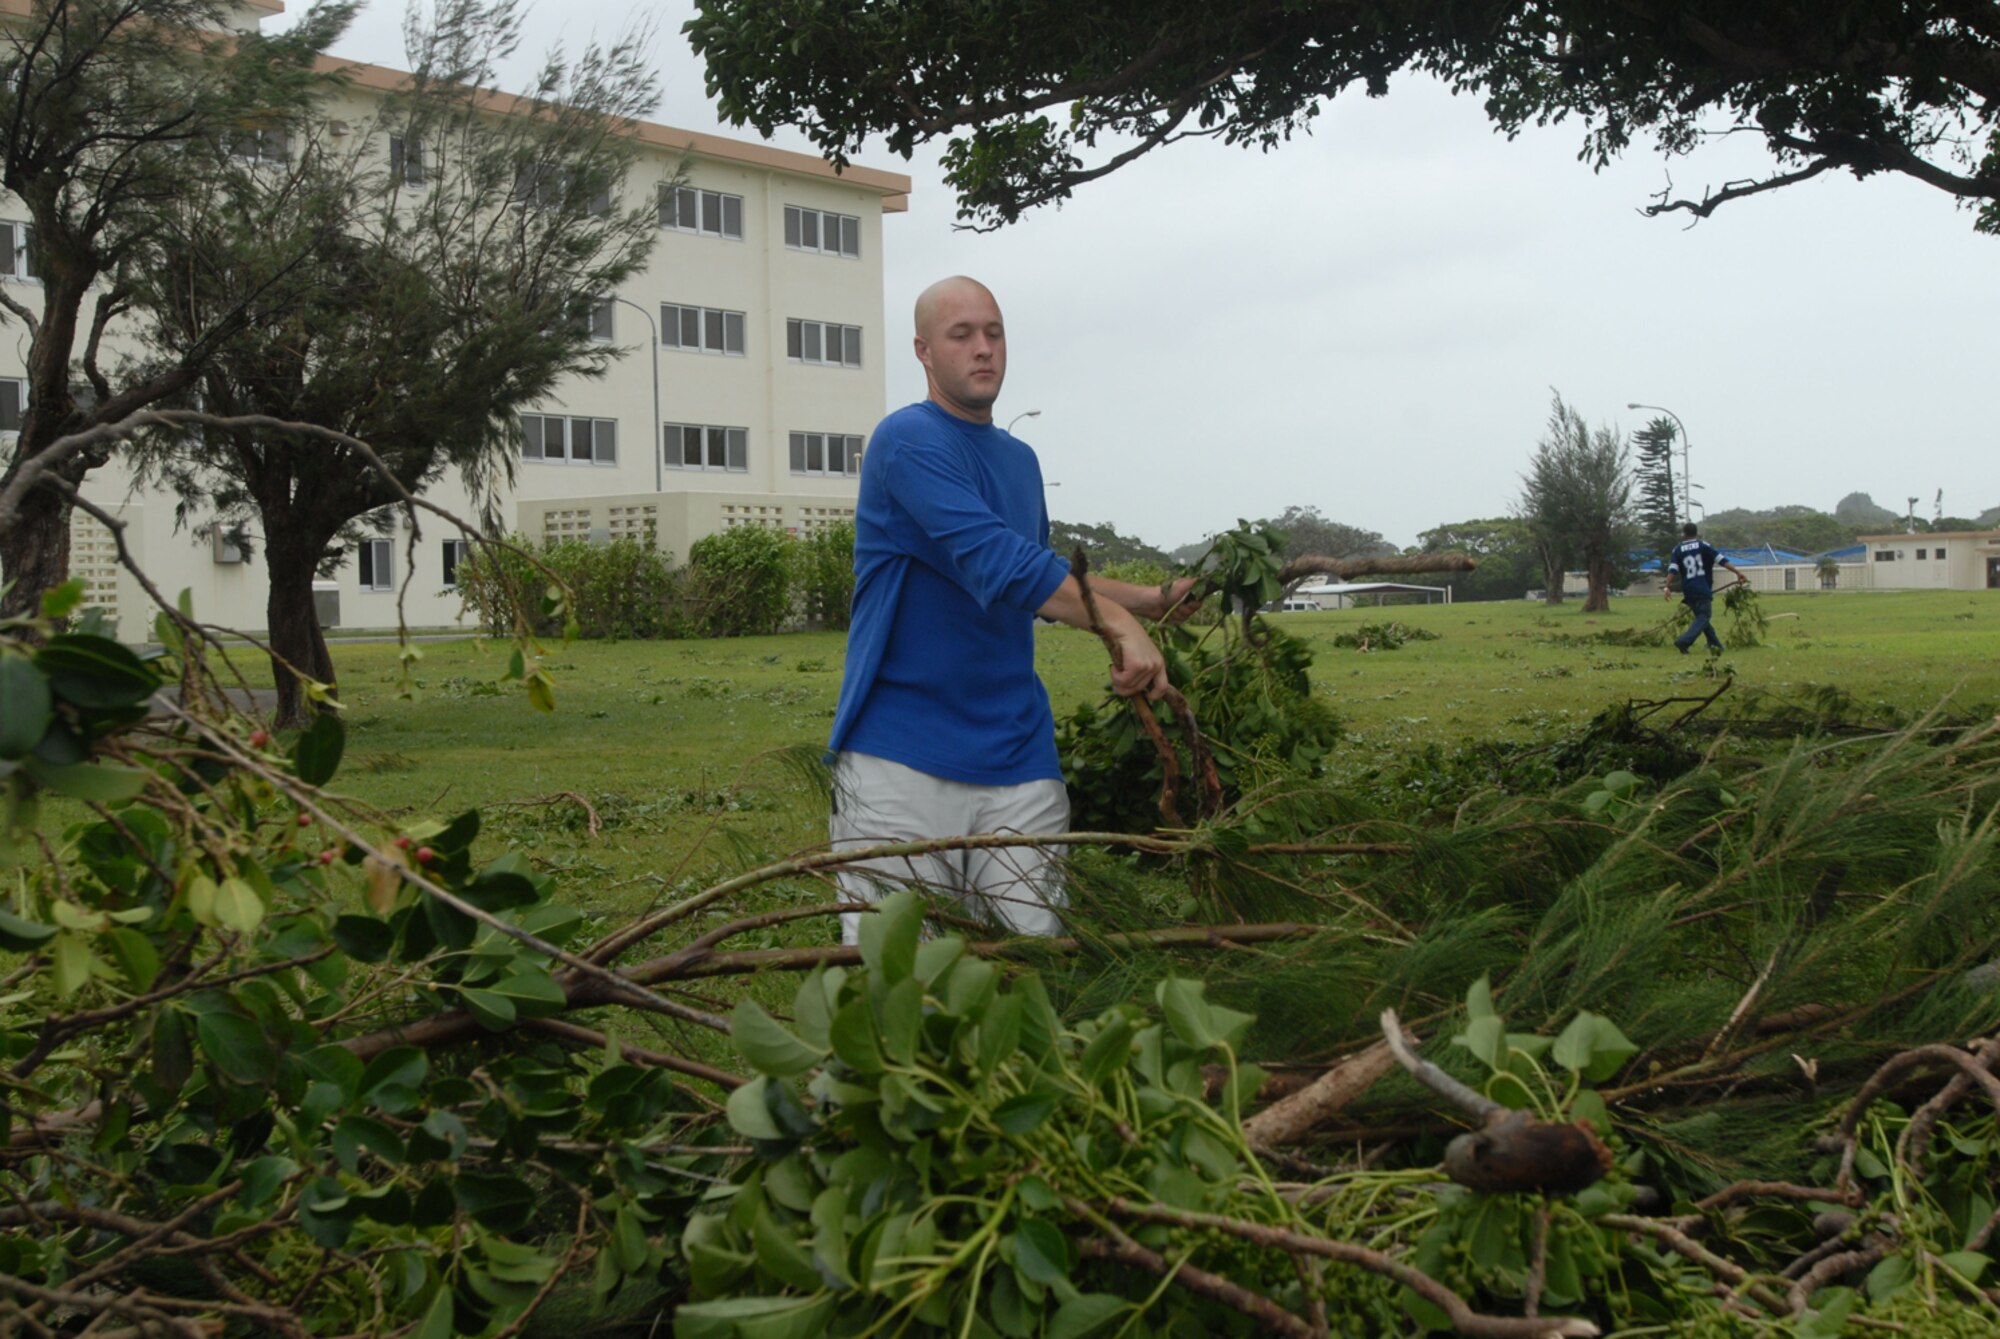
{"x":1115,"y":1245}
{"x":1385,"y":565}
{"x":1292,"y":1118}
{"x":1463,"y":1318}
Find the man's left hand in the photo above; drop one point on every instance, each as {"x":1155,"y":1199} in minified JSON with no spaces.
{"x":1175,"y":604}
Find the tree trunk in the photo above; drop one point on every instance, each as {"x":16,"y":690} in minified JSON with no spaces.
{"x":1598,"y":600}
{"x":294,"y":624}
{"x":34,"y":551}
{"x":1552,"y":574}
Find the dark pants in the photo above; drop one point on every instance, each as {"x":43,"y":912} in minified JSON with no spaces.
{"x":1703,"y":606}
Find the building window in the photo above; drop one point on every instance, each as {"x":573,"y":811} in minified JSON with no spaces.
{"x":817,"y":230}
{"x":704,"y":446}
{"x":17,"y":257}
{"x":701,"y":329}
{"x":1791,"y":578}
{"x":559,"y":439}
{"x":456,"y":551}
{"x":261,"y":143}
{"x":378,"y":565}
{"x":823,"y":342}
{"x":685,"y":209}
{"x":1922,"y":554}
{"x":406,"y":160}
{"x":825,"y":453}
{"x":13,"y":403}
{"x":1936,"y":554}
{"x":1885,"y":555}
{"x":550,"y":185}
{"x":602,"y":321}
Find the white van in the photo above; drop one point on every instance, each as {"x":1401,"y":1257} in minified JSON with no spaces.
{"x":1298,"y":607}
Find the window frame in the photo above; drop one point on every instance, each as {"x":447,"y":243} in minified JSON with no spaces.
{"x":20,"y":265}
{"x":800,"y":452}
{"x":846,"y":226}
{"x":406,"y":151}
{"x":673,"y":198}
{"x":569,"y":423}
{"x":701,"y":315}
{"x":735,"y":444}
{"x":797,"y":330}
{"x":456,"y":551}
{"x":375,"y":565}
{"x":20,"y":385}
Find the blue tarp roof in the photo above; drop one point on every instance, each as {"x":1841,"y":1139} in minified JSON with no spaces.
{"x":1759,"y":557}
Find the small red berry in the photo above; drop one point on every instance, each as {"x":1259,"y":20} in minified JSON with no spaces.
{"x":305,"y":820}
{"x":402,"y":843}
{"x":425,"y":855}
{"x":260,"y":738}
{"x":326,"y":856}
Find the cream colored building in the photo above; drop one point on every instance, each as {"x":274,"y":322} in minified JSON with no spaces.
{"x":765,"y":287}
{"x":1939,"y":560}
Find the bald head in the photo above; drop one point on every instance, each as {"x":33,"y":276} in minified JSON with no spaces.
{"x":947,"y":293}
{"x":962,"y":343}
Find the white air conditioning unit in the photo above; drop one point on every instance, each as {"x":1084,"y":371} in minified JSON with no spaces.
{"x":225,"y":552}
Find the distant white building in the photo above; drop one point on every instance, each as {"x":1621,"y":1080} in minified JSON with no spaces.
{"x":766,"y":288}
{"x":1940,"y":560}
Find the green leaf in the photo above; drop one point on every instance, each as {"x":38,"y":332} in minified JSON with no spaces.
{"x":1479,"y":999}
{"x":853,"y":1038}
{"x":503,"y":1202}
{"x":1968,"y":1264}
{"x":1890,"y":1276}
{"x":1108,"y":1051}
{"x":902,"y":1015}
{"x":1084,"y":1314}
{"x":58,"y":602}
{"x":69,"y":963}
{"x":1040,"y":1252}
{"x":1196,"y":1021}
{"x":237,"y":906}
{"x":936,"y":955}
{"x":494,"y":1012}
{"x":25,"y":706}
{"x":1018,"y":1115}
{"x":1593,"y":1046}
{"x":754,"y":1318}
{"x":363,"y":938}
{"x":23,"y":936}
{"x":316,"y":752}
{"x":541,"y":692}
{"x":889,"y":937}
{"x":812,"y":1010}
{"x":95,"y":673}
{"x":534,"y":992}
{"x":98,"y":783}
{"x":1486,"y":1038}
{"x":392,"y":1078}
{"x":780,"y":1253}
{"x":749,"y":1111}
{"x":767,"y":1044}
{"x":136,"y":957}
{"x":237,"y":1046}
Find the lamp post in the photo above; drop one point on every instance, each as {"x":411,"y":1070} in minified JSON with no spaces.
{"x":1687,"y":478}
{"x":1025,"y":413}
{"x":659,"y":428}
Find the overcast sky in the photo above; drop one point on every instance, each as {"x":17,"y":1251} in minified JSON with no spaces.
{"x":1369,"y":320}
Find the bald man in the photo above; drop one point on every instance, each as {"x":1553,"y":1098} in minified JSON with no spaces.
{"x":943,"y":727}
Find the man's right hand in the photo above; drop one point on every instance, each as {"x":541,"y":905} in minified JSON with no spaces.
{"x":1144,"y":669}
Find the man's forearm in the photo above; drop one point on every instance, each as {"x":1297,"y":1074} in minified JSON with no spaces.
{"x":1066,"y":606}
{"x":1145,"y":601}
{"x":1142,"y":670}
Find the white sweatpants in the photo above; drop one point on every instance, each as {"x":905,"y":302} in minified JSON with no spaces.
{"x":876,"y":801}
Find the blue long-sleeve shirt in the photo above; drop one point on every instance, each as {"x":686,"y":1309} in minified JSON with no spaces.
{"x":951,"y":561}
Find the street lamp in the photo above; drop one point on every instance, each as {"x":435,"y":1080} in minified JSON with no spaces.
{"x":1687,"y":478}
{"x":659,"y":428}
{"x":1025,"y":413}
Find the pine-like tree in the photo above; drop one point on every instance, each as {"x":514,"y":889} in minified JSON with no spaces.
{"x":1657,"y":511}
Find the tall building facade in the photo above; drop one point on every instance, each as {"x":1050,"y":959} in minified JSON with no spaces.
{"x":749,"y":375}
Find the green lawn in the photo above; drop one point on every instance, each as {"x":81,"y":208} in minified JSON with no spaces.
{"x":670,"y":741}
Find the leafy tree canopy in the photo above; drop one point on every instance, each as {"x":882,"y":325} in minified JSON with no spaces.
{"x":1508,"y":562}
{"x":1038,"y":97}
{"x":1103,"y":544}
{"x":1307,"y":531}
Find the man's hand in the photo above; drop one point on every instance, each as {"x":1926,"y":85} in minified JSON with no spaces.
{"x":1144,"y":670}
{"x":1175,"y":606}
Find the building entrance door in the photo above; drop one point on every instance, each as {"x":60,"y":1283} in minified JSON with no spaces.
{"x":1993,"y":573}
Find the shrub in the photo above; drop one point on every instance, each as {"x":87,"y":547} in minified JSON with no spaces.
{"x":623,"y":589}
{"x":825,"y":562}
{"x":739,"y":582}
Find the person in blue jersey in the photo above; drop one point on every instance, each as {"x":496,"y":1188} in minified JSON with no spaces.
{"x":1692,"y":564}
{"x":943,"y":727}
